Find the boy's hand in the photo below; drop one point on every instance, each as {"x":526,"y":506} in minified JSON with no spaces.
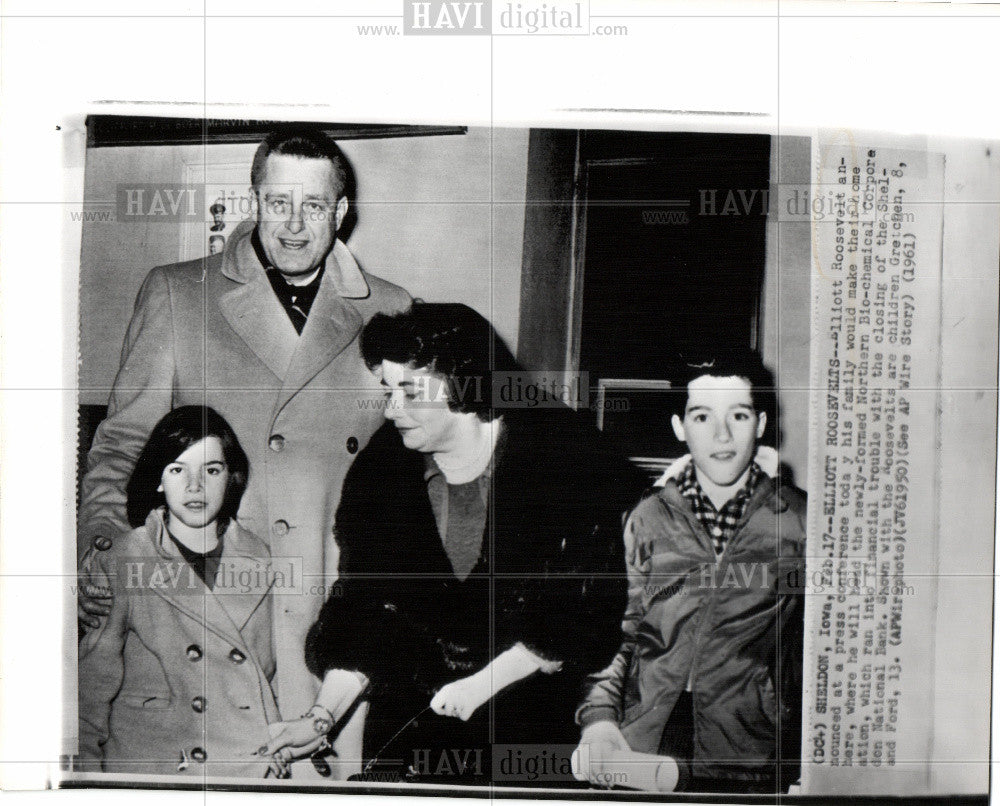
{"x":597,"y":742}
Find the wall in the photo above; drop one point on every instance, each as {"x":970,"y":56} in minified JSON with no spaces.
{"x":786,"y":301}
{"x":785,"y":305}
{"x":433,"y":216}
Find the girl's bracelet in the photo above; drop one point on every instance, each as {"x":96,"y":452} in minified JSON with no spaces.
{"x":321,"y":724}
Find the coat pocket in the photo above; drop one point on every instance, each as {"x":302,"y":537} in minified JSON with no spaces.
{"x":632,"y":705}
{"x":145,"y":701}
{"x":632,"y":713}
{"x":767,"y":699}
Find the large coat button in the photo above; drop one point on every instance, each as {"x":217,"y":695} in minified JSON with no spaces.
{"x":102,"y":543}
{"x":198,"y":705}
{"x":236,"y":656}
{"x":194,"y":653}
{"x":199,"y":754}
{"x":352,"y":444}
{"x":276,"y":443}
{"x":280,"y":528}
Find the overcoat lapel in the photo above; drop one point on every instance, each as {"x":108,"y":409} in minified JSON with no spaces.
{"x":243,"y":582}
{"x":193,"y":598}
{"x":252,"y":309}
{"x":332,"y":325}
{"x":255,"y":314}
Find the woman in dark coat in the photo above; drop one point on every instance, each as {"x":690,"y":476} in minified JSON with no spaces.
{"x":481,"y":566}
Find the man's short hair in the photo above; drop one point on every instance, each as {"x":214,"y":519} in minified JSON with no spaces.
{"x":739,"y":363}
{"x":449,"y":339}
{"x":175,"y":433}
{"x":306,"y":143}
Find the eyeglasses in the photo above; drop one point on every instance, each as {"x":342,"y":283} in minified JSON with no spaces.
{"x":282,"y":207}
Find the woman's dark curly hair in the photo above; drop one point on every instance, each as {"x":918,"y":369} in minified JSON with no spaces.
{"x":451,"y":340}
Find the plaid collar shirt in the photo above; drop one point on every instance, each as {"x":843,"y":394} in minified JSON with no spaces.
{"x":720,"y":524}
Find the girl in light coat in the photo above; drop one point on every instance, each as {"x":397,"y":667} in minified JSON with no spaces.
{"x":176,"y":679}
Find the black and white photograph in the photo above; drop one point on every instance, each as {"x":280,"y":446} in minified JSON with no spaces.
{"x":449,"y":565}
{"x":517,"y":496}
{"x":607,"y":453}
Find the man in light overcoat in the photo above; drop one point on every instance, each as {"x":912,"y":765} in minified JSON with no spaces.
{"x":266,"y":333}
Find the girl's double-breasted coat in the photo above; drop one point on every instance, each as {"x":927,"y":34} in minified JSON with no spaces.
{"x":177,"y":678}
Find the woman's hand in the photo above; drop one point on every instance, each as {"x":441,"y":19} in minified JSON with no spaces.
{"x":461,"y":698}
{"x":291,"y":740}
{"x":302,"y":737}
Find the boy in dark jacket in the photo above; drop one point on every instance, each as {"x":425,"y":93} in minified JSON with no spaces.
{"x":709,"y":672}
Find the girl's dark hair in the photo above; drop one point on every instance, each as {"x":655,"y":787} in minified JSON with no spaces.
{"x":171,"y":436}
{"x":451,"y":340}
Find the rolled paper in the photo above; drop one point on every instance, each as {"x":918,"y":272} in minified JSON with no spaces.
{"x":645,"y":771}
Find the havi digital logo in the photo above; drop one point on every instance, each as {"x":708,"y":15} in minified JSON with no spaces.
{"x":433,"y":17}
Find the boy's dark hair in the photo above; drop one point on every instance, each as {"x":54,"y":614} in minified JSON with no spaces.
{"x":304,"y":142}
{"x":737,"y":363}
{"x":446,"y":338}
{"x":171,"y":436}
